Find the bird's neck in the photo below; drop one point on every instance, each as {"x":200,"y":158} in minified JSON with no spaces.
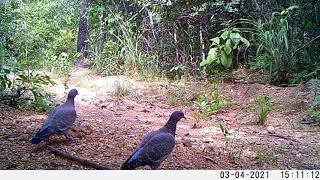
{"x":171,"y":125}
{"x":69,"y":101}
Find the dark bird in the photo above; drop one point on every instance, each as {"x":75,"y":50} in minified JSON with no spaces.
{"x":59,"y":120}
{"x":155,"y":146}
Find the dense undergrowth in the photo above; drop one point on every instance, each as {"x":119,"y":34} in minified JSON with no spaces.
{"x":149,"y":39}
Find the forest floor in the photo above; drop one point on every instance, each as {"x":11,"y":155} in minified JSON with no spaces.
{"x":108,"y":128}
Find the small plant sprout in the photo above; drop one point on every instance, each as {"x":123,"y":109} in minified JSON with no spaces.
{"x":208,"y":104}
{"x":263,"y":109}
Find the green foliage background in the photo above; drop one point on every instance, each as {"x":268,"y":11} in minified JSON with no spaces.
{"x":168,"y":38}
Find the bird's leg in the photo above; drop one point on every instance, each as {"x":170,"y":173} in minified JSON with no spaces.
{"x":47,"y":139}
{"x":68,"y":137}
{"x":155,"y":166}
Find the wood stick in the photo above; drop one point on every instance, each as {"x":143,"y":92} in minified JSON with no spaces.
{"x":82,"y":161}
{"x":284,"y":137}
{"x":210,"y":159}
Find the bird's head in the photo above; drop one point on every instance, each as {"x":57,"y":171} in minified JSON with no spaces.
{"x":72,"y":93}
{"x":177,"y":116}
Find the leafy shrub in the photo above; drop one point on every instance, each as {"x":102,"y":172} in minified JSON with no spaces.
{"x":276,"y":45}
{"x":25,"y":90}
{"x":109,"y":61}
{"x":5,"y":82}
{"x":42,"y":103}
{"x":223,"y":46}
{"x":263,"y":108}
{"x":210,"y":103}
{"x":36,"y":33}
{"x":305,"y":73}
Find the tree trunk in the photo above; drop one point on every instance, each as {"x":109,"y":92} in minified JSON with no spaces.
{"x":83,"y":33}
{"x":176,"y":61}
{"x":151,"y":23}
{"x":202,"y":43}
{"x":103,"y":33}
{"x":103,"y":26}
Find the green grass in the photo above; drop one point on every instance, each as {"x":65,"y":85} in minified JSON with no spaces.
{"x":121,"y":88}
{"x":177,"y":97}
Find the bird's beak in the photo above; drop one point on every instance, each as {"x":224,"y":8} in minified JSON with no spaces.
{"x":184,"y":117}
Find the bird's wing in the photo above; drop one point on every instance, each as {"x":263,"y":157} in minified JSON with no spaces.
{"x":145,"y":139}
{"x":62,"y":120}
{"x":155,"y":150}
{"x":45,"y":131}
{"x":53,"y":112}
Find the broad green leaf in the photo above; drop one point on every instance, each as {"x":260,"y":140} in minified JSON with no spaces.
{"x":227,"y":48}
{"x":226,"y":60}
{"x":212,"y":56}
{"x":204,"y":62}
{"x":235,"y":42}
{"x":215,"y":41}
{"x":225,"y":34}
{"x":235,"y":36}
{"x":245,"y":41}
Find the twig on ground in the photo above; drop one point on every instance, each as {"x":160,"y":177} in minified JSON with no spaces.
{"x":210,"y":159}
{"x":82,"y":161}
{"x":285,"y":137}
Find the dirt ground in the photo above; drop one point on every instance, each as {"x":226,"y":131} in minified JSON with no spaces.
{"x":107,"y":128}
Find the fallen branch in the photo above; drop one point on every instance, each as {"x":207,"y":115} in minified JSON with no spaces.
{"x":82,"y":161}
{"x":284,"y":137}
{"x":210,"y":159}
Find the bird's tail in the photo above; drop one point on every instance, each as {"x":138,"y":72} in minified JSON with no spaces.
{"x":36,"y":140}
{"x":126,"y":165}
